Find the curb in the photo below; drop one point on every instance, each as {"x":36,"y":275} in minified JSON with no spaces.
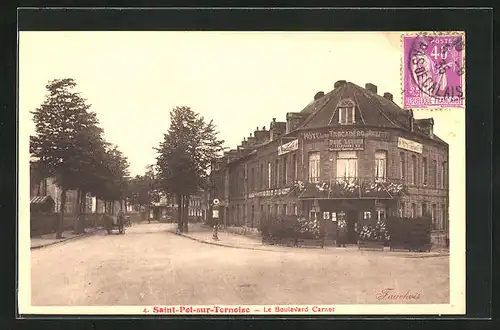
{"x":66,"y":239}
{"x":284,"y":249}
{"x":225,"y":245}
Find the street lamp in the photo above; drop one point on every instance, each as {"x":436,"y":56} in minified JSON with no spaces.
{"x":215,"y":217}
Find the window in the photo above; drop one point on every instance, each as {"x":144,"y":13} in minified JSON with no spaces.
{"x":443,"y":175}
{"x":295,"y":209}
{"x":252,"y":179}
{"x":347,"y":164}
{"x":346,"y":115}
{"x":433,"y":215}
{"x":252,"y":216}
{"x":285,"y":170}
{"x":244,"y":214}
{"x":276,"y":209}
{"x":413,"y":171}
{"x":293,"y":167}
{"x":434,"y":173}
{"x":269,"y":169}
{"x":402,"y":211}
{"x":413,"y":210}
{"x":269,"y":210}
{"x":380,"y":165}
{"x":314,"y":167}
{"x":276,"y":172}
{"x":262,"y":176}
{"x":424,"y":171}
{"x":283,"y":211}
{"x":402,"y":165}
{"x":424,"y":209}
{"x":346,"y":112}
{"x":444,"y":223}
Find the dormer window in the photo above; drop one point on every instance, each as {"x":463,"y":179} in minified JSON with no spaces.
{"x":346,"y":112}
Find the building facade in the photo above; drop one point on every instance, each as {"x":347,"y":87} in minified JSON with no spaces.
{"x":350,"y":154}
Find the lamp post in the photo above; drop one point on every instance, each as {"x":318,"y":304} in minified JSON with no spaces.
{"x":215,"y":217}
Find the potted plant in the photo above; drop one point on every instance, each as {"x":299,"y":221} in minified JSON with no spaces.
{"x":370,"y":238}
{"x":309,"y":232}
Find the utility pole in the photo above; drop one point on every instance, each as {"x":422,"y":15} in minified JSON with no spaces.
{"x":215,"y":217}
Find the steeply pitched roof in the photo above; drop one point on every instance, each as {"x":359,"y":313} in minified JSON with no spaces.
{"x":370,"y":109}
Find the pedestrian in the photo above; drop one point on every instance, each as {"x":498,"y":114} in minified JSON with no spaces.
{"x":342,"y":233}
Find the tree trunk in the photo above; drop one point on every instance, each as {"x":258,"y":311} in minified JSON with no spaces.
{"x":61,"y":218}
{"x":83,"y":212}
{"x":179,"y":212}
{"x":185,"y":220}
{"x":78,"y":211}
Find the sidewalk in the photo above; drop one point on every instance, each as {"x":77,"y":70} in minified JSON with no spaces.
{"x":203,"y":234}
{"x":50,"y":239}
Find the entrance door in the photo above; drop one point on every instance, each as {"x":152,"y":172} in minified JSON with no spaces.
{"x":351,"y":220}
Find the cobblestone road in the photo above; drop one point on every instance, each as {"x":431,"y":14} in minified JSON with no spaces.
{"x":151,"y":266}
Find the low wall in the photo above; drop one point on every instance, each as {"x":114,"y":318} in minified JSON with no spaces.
{"x":45,"y":223}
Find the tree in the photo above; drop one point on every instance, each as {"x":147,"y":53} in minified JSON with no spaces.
{"x":184,"y":158}
{"x":113,"y":176}
{"x":66,"y":135}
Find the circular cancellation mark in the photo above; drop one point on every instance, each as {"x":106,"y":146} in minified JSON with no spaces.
{"x":435,"y":66}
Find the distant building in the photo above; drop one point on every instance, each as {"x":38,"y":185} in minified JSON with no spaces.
{"x":350,"y":153}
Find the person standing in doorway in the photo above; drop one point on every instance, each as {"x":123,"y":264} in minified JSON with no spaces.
{"x":342,"y":232}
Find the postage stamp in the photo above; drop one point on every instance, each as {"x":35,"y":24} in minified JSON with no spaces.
{"x":433,"y":70}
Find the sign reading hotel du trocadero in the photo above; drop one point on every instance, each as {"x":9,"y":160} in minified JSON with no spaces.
{"x":288,"y":147}
{"x":325,"y":134}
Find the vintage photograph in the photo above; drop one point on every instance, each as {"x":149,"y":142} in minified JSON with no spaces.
{"x":241,"y":173}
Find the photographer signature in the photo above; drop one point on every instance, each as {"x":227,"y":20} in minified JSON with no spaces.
{"x":390,"y":294}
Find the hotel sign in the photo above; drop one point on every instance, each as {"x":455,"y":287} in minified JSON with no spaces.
{"x":346,"y":144}
{"x":409,"y":145}
{"x":288,"y":147}
{"x":350,"y":134}
{"x":270,"y":192}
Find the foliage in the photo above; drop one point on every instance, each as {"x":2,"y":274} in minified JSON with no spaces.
{"x":290,"y":226}
{"x":66,"y":135}
{"x":189,"y":148}
{"x":410,"y":233}
{"x":378,"y":232}
{"x":185,"y":156}
{"x":309,"y":228}
{"x":69,"y":146}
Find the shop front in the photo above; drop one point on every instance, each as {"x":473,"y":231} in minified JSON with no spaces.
{"x":348,"y":215}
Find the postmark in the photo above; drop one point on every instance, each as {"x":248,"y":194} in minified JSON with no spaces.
{"x":433,"y":70}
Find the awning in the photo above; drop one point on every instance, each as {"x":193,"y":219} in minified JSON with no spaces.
{"x":41,"y":200}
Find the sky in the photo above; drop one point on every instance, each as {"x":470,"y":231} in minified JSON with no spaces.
{"x":241,"y":80}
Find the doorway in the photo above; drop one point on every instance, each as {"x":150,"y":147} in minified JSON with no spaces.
{"x":351,"y":220}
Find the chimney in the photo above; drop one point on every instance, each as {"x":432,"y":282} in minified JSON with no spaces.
{"x":278,"y":129}
{"x":371,"y":87}
{"x":339,"y":83}
{"x":293,"y":121}
{"x":251,"y":140}
{"x":261,"y":136}
{"x":319,"y":95}
{"x":388,"y":96}
{"x":427,"y":125}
